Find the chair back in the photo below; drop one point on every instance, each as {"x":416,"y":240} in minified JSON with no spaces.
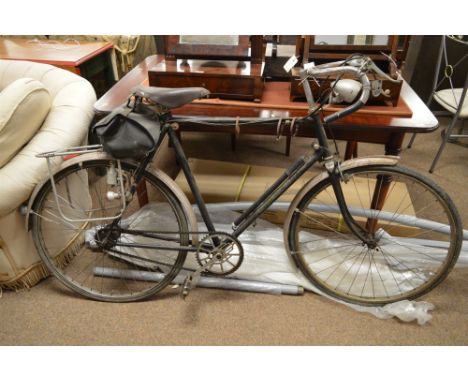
{"x":443,"y":79}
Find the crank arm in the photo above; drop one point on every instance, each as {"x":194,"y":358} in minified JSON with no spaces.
{"x":192,"y":279}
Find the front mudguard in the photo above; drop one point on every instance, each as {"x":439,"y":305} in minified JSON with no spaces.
{"x":385,"y":160}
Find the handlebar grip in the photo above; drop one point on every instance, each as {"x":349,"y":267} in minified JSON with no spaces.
{"x":361,"y":76}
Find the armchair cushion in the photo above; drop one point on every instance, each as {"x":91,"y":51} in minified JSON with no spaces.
{"x":66,"y":125}
{"x":24,"y":104}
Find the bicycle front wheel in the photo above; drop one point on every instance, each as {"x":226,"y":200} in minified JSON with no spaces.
{"x":415,"y":231}
{"x":105,"y":242}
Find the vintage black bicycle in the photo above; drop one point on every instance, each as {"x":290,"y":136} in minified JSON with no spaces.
{"x":112,"y":228}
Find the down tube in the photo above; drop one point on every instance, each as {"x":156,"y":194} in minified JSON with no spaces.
{"x":270,"y":196}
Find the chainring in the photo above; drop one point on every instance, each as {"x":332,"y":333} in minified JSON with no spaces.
{"x":226,"y":249}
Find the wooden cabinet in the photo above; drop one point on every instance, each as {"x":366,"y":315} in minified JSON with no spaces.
{"x":229,"y":66}
{"x":212,"y":47}
{"x":224,"y":79}
{"x":91,"y":60}
{"x":324,"y":49}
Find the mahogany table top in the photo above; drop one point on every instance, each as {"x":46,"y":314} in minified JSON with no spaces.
{"x":56,"y":53}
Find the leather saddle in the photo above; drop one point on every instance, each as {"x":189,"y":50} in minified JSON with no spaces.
{"x":170,"y":97}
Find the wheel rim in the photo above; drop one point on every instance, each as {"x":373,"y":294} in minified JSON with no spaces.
{"x":403,"y":264}
{"x":109,"y":272}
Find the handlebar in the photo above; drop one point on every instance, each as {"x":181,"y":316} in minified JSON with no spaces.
{"x":355,"y":66}
{"x":361,"y":76}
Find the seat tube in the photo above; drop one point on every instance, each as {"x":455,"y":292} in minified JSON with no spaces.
{"x":190,"y":180}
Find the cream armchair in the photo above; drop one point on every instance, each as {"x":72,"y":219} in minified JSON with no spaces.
{"x":66,"y":124}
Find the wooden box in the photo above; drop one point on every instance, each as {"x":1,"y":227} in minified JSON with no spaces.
{"x":213,"y":47}
{"x":297,"y":90}
{"x":240,"y":80}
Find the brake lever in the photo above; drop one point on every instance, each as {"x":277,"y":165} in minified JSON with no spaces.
{"x":380,"y":72}
{"x":389,"y":58}
{"x":368,"y":65}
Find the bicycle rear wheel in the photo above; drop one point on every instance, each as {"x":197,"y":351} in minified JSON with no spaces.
{"x":98,"y":259}
{"x":415,"y":228}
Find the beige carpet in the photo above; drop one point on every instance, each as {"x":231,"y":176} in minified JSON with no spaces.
{"x":49,"y":315}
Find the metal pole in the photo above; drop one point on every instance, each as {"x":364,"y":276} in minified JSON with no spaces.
{"x":362,"y":212}
{"x":205,"y":282}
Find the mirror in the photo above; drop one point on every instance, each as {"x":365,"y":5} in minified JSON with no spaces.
{"x":209,"y":40}
{"x":351,"y":40}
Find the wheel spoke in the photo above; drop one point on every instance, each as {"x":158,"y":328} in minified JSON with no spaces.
{"x":322,"y":224}
{"x":382,"y":271}
{"x":347,"y":271}
{"x":125,"y":280}
{"x":357,"y":272}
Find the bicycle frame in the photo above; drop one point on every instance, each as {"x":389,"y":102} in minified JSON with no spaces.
{"x":150,"y":195}
{"x":321,"y":153}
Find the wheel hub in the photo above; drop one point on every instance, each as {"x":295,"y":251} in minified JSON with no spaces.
{"x":107,"y":237}
{"x":372,"y":244}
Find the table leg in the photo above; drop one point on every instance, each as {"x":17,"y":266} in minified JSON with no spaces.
{"x":142,"y":194}
{"x":382,"y":185}
{"x":351,"y":150}
{"x":393,"y":145}
{"x":288,"y":145}
{"x":233,"y":141}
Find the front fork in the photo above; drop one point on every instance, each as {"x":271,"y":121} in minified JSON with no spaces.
{"x":336,"y":177}
{"x":333,"y":168}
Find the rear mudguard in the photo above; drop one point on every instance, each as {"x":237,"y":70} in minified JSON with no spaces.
{"x":184,"y":202}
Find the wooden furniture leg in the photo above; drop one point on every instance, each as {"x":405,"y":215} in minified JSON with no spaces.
{"x":288,"y":145}
{"x":381,"y":188}
{"x":393,"y":147}
{"x":142,"y":194}
{"x":351,"y":150}
{"x":233,"y":141}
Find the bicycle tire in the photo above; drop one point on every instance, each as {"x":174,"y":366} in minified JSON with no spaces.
{"x":411,"y":255}
{"x":67,"y":261}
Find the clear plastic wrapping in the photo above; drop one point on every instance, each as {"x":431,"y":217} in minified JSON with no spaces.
{"x":266,"y":260}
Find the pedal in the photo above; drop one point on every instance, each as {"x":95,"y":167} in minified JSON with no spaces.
{"x":189,"y":284}
{"x":186,"y":287}
{"x":191,"y":280}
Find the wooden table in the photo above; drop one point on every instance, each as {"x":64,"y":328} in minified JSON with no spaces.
{"x":386,"y":125}
{"x":83,"y":58}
